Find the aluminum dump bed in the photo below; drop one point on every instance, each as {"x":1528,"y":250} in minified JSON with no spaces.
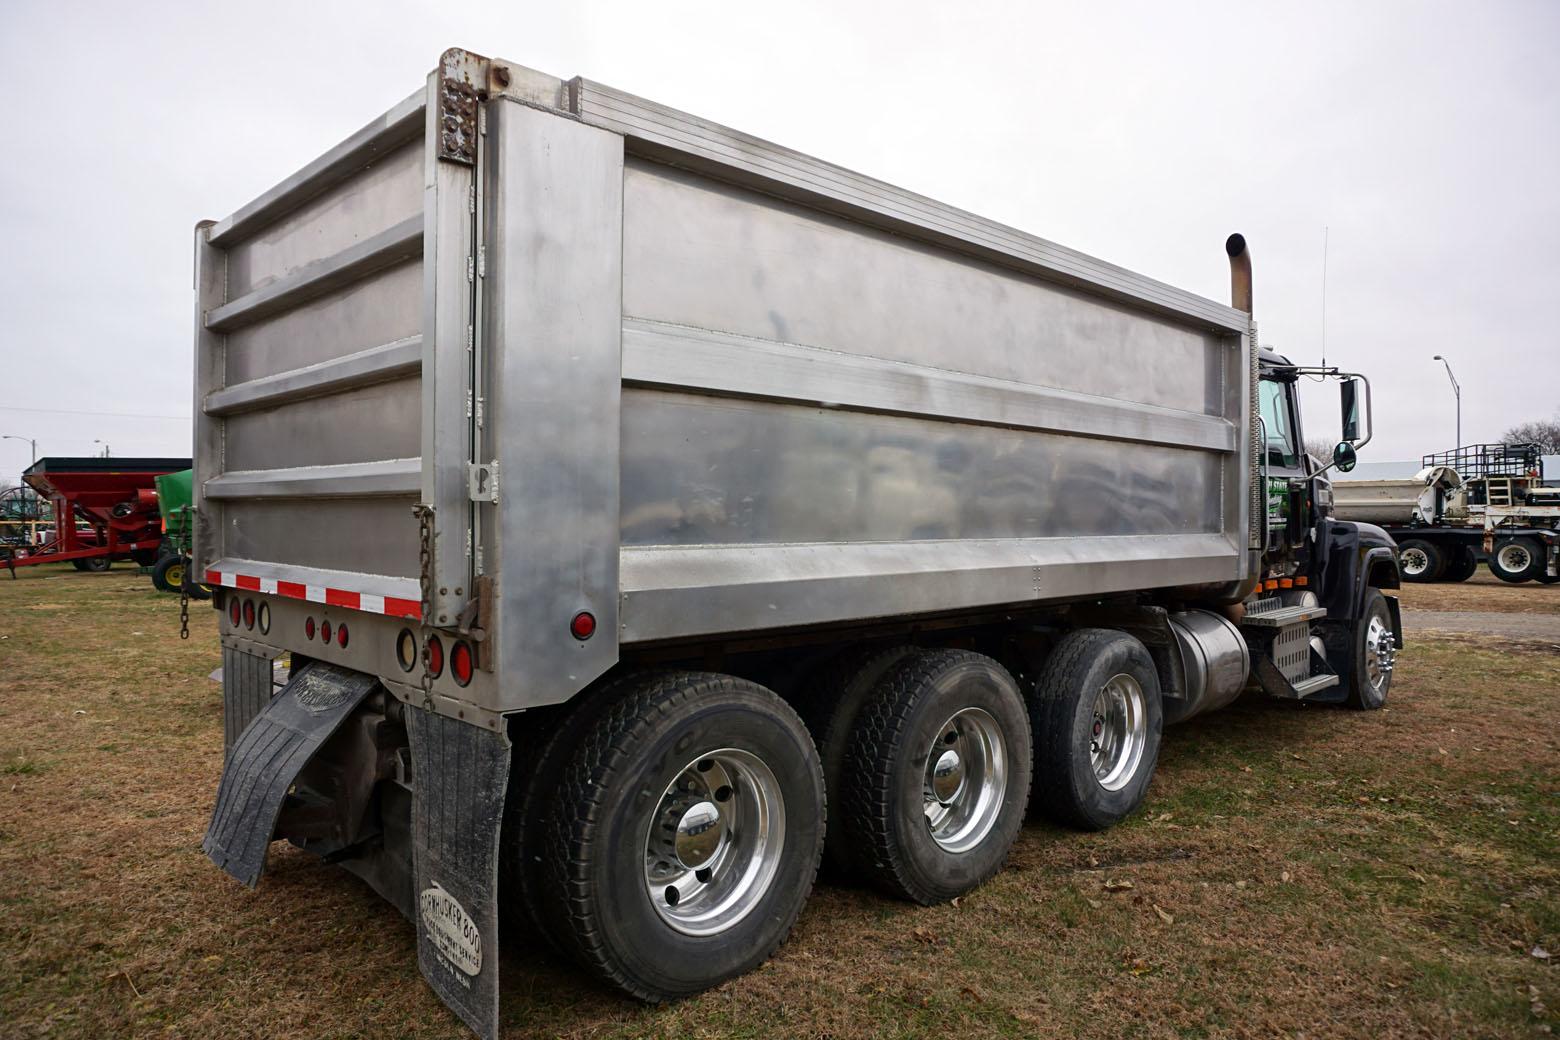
{"x":644,"y":366}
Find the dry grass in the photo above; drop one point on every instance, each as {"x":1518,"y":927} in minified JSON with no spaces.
{"x":1299,"y":870}
{"x":1484,"y":592}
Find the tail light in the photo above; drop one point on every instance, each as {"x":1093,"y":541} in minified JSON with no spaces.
{"x":583,"y":626}
{"x":435,"y":657}
{"x":324,"y":631}
{"x":249,"y":613}
{"x":308,"y":628}
{"x":341,"y":635}
{"x":264,"y":617}
{"x":234,"y":609}
{"x":461,"y":663}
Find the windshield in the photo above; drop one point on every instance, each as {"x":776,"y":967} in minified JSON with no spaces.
{"x":1274,"y":404}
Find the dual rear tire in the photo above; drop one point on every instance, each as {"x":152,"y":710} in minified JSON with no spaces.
{"x":668,"y":831}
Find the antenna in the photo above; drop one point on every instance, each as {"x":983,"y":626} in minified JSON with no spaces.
{"x":1325,"y":231}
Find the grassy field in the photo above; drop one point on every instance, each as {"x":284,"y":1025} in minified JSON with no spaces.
{"x":1299,"y":870}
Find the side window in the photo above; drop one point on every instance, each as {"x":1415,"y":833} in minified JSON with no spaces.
{"x":1281,"y":448}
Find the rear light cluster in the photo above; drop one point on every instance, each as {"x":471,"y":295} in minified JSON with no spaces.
{"x":248,"y":615}
{"x":462,"y":659}
{"x":326,"y":631}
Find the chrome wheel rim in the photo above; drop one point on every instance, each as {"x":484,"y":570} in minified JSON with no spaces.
{"x":714,"y":843}
{"x":965,"y":779}
{"x":1380,"y":650}
{"x":1118,"y":732}
{"x":1415,"y":562}
{"x":1513,"y":558}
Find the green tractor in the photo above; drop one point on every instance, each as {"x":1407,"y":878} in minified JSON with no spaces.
{"x":175,"y":499}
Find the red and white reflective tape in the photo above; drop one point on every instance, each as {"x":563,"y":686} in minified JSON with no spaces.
{"x":391,"y":605}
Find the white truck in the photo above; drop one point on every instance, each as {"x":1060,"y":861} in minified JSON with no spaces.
{"x":1477,"y":501}
{"x":648,"y":511}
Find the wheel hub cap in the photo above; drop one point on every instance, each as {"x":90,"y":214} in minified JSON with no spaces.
{"x":1380,"y":652}
{"x":1119,"y":732}
{"x":713,"y":843}
{"x":966,"y":778}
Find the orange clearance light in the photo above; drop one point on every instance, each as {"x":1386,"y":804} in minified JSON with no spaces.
{"x":1286,"y":583}
{"x":461,"y":663}
{"x":583,"y":626}
{"x":1301,"y":581}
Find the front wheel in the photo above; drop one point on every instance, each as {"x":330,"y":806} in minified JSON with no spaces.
{"x":1375,"y":651}
{"x":685,"y":834}
{"x":1420,"y":561}
{"x":1097,"y":718}
{"x":168,"y":575}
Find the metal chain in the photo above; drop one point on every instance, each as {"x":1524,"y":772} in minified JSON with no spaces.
{"x":184,"y":545}
{"x":424,"y":515}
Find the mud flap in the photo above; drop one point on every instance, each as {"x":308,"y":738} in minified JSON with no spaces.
{"x":460,"y":773}
{"x":267,"y":758}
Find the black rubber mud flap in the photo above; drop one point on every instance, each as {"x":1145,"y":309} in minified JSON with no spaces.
{"x":267,"y":758}
{"x":460,"y":773}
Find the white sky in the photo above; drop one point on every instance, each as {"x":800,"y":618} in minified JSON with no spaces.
{"x":1425,"y":135}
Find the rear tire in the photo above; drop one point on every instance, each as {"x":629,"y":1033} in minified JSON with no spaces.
{"x":937,"y":776}
{"x":685,"y":834}
{"x":830,"y":710}
{"x":1097,"y":718}
{"x":1461,"y":564}
{"x":1421,"y":561}
{"x":1516,"y":560}
{"x":94,"y":565}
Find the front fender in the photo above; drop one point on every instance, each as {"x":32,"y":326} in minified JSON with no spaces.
{"x":1358,"y":557}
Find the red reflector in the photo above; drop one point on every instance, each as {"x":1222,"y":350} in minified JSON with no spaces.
{"x":308,"y":628}
{"x":461,"y":664}
{"x":249,"y":613}
{"x":341,"y":635}
{"x":435,"y":657}
{"x":324,"y":631}
{"x":583,"y":626}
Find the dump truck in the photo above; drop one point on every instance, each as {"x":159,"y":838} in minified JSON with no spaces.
{"x":1477,"y":501}
{"x":649,"y":513}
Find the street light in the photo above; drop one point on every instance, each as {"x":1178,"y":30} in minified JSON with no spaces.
{"x":29,"y":440}
{"x":1457,"y":390}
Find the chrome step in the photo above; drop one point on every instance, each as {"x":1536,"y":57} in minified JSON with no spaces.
{"x":1282,"y":616}
{"x":1316,"y":683}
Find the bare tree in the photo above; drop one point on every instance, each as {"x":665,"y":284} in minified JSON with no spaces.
{"x":1319,"y":447}
{"x":1543,"y":432}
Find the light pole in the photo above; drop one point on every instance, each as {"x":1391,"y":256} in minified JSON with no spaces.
{"x":1457,"y":391}
{"x":29,"y":440}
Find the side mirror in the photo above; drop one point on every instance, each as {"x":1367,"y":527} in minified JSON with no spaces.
{"x":1348,"y":392}
{"x":1344,"y":456}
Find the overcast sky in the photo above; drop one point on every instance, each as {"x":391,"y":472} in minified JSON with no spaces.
{"x":1426,"y":136}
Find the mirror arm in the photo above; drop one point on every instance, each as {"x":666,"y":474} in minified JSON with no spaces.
{"x":1370,"y":422}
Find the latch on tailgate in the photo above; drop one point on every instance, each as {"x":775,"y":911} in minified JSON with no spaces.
{"x":483,"y":478}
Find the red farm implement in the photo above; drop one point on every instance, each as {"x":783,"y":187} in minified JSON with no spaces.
{"x":104,"y":510}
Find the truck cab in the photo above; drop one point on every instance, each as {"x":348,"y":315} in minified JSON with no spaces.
{"x":1331,"y":570}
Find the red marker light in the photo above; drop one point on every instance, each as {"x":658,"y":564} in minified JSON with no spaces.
{"x":583,"y":626}
{"x":461,"y":663}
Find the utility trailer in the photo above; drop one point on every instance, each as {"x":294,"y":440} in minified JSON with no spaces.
{"x":1477,"y":501}
{"x":104,"y":510}
{"x":650,"y":511}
